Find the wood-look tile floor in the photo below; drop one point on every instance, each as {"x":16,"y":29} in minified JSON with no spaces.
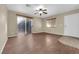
{"x":41,"y":43}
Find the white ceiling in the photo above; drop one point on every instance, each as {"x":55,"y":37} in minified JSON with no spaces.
{"x":52,"y":9}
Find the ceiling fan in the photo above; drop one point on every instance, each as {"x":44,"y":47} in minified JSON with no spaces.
{"x":41,"y":11}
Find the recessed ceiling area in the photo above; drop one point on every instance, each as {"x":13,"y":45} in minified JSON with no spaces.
{"x":52,"y":9}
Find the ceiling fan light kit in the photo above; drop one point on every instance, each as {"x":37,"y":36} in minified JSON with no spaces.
{"x":40,"y":10}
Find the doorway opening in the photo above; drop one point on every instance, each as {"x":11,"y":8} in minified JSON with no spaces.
{"x":24,"y":25}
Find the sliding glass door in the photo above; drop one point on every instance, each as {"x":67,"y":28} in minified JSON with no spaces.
{"x":23,"y":24}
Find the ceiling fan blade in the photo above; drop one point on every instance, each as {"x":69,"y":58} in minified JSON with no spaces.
{"x":37,"y":10}
{"x":45,"y":12}
{"x":35,"y":13}
{"x":40,"y":14}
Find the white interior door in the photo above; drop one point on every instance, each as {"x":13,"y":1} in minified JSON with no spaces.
{"x":71,"y":25}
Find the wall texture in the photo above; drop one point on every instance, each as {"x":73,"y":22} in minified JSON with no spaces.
{"x":39,"y":25}
{"x":36,"y":25}
{"x":59,"y":29}
{"x":3,"y":26}
{"x":12,"y":24}
{"x":59,"y":26}
{"x":71,"y":25}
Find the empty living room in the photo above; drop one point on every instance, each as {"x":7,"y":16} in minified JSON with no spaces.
{"x":39,"y":29}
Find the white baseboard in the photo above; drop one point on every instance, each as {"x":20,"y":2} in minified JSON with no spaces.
{"x":37,"y":32}
{"x":3,"y":46}
{"x":12,"y":35}
{"x":5,"y":43}
{"x":63,"y":35}
{"x":54,"y":33}
{"x":71,"y":36}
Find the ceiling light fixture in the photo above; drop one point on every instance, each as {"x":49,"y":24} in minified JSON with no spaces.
{"x":40,"y":10}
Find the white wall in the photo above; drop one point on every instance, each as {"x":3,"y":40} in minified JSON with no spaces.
{"x":59,"y":26}
{"x":39,"y":25}
{"x":36,"y":25}
{"x":12,"y":24}
{"x":3,"y":26}
{"x":71,"y":25}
